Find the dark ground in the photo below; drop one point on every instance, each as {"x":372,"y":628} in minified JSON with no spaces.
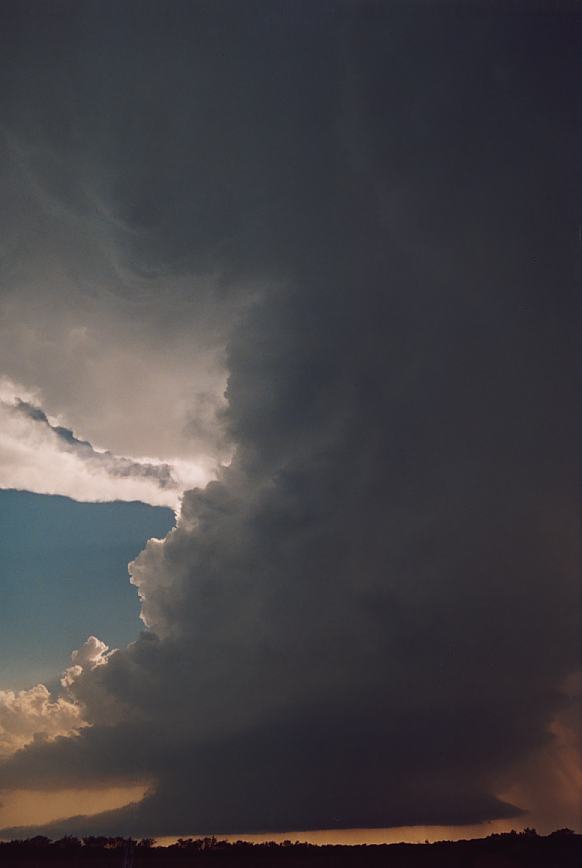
{"x":562,"y":849}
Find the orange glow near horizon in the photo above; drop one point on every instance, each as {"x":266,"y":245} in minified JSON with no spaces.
{"x":36,"y":807}
{"x":548,"y":784}
{"x":396,"y":835}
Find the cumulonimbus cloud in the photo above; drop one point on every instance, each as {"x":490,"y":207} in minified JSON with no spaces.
{"x":365,"y":619}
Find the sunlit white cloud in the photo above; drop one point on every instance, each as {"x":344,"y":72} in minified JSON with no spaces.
{"x":38,"y":714}
{"x":26,"y":715}
{"x":94,"y":652}
{"x":129,"y":360}
{"x":38,"y":456}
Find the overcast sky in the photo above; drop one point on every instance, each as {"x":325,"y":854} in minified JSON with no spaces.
{"x":304,"y":273}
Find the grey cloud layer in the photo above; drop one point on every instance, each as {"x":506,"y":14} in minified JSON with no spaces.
{"x":132,"y":358}
{"x":366,"y":619}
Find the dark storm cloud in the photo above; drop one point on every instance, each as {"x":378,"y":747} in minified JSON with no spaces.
{"x":366,"y":619}
{"x":113,"y":465}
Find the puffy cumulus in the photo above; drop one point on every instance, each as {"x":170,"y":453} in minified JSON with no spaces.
{"x":33,"y":715}
{"x":92,"y":653}
{"x":365,"y":619}
{"x":36,"y":715}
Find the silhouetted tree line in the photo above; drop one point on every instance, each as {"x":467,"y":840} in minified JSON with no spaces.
{"x":527,"y":849}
